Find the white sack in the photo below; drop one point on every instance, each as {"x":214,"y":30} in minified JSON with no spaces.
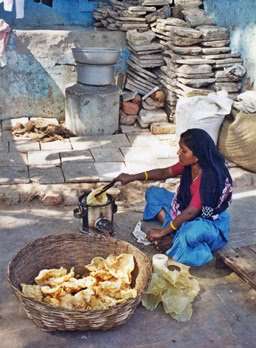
{"x":204,"y":112}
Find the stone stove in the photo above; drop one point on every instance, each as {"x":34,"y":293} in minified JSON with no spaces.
{"x":92,"y":104}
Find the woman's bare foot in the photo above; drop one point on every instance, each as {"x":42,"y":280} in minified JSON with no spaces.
{"x":164,"y":243}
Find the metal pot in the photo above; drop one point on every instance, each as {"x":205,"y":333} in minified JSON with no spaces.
{"x":96,"y":55}
{"x":95,"y":218}
{"x":95,"y":75}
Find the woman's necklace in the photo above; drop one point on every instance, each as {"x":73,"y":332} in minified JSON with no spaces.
{"x":197,"y":176}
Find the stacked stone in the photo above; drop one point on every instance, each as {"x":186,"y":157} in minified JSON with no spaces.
{"x":145,"y":55}
{"x":122,"y":15}
{"x":152,"y":111}
{"x":130,"y":107}
{"x":196,"y":52}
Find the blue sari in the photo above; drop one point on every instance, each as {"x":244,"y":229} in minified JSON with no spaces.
{"x":195,"y":240}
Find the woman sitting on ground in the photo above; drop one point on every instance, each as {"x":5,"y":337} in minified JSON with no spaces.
{"x":194,"y":221}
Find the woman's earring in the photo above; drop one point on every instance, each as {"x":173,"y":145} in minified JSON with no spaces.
{"x":196,"y":160}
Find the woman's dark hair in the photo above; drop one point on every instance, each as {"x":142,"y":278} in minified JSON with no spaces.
{"x":187,"y":138}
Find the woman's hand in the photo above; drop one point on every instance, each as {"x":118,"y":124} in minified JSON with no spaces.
{"x":154,"y":234}
{"x":124,"y":178}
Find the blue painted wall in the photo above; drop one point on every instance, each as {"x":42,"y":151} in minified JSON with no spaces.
{"x":240,"y":17}
{"x":63,"y":13}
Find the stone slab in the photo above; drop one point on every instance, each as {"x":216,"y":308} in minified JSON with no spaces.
{"x":215,"y":50}
{"x":143,"y":140}
{"x":46,"y":174}
{"x":190,"y":50}
{"x":107,"y":171}
{"x":133,"y":129}
{"x":83,"y":172}
{"x":137,"y":166}
{"x":149,"y":116}
{"x":8,"y":125}
{"x":138,"y":153}
{"x":107,"y":155}
{"x":217,"y":43}
{"x":195,"y":69}
{"x":145,"y":71}
{"x":56,"y":145}
{"x":210,"y":32}
{"x":4,"y":146}
{"x":14,"y":175}
{"x":138,"y":38}
{"x":166,"y":162}
{"x":85,"y":143}
{"x":77,"y":156}
{"x":184,"y":41}
{"x":43,"y":157}
{"x":114,"y":141}
{"x":196,"y":17}
{"x":196,"y":83}
{"x":12,"y":159}
{"x":24,"y":145}
{"x":7,"y":135}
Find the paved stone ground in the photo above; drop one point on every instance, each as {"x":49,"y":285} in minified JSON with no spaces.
{"x":84,"y":160}
{"x":223,"y":313}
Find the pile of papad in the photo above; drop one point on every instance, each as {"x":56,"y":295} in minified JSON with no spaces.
{"x":108,"y":283}
{"x":175,"y":289}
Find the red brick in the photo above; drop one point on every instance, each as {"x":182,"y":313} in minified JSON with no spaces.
{"x":130,"y":108}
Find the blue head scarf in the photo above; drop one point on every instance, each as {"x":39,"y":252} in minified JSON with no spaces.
{"x":216,"y":182}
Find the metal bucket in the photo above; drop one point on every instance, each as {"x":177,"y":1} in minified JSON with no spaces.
{"x":95,"y":75}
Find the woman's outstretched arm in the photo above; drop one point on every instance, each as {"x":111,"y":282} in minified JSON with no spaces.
{"x":154,"y":174}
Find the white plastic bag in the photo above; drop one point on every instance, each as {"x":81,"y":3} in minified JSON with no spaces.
{"x":204,"y":112}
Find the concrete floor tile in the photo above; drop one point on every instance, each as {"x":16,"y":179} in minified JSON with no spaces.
{"x":107,"y":171}
{"x":80,"y":172}
{"x":7,"y":135}
{"x":14,"y":175}
{"x":166,"y":162}
{"x":4,"y":146}
{"x":85,"y":143}
{"x":133,"y":129}
{"x":135,"y":153}
{"x":138,"y":166}
{"x":43,"y":158}
{"x":107,"y":155}
{"x":76,"y":156}
{"x":24,"y":145}
{"x":8,"y":125}
{"x":143,"y":140}
{"x":13,"y":159}
{"x":116,"y":140}
{"x":46,"y":174}
{"x":56,"y":145}
{"x":165,"y":151}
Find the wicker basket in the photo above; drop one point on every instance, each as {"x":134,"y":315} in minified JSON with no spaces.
{"x":76,"y":250}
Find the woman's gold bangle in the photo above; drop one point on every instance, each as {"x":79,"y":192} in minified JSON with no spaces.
{"x":172,"y":226}
{"x":146,"y":176}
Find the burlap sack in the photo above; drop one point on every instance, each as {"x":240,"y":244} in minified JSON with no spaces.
{"x":237,"y":139}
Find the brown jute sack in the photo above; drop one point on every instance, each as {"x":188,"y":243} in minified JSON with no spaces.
{"x":237,"y":139}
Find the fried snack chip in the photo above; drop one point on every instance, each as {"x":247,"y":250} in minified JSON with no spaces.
{"x":121,"y":266}
{"x":32,"y":291}
{"x":52,"y":301}
{"x":54,"y":281}
{"x":46,"y":274}
{"x":175,"y":289}
{"x":107,"y":285}
{"x":99,"y":200}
